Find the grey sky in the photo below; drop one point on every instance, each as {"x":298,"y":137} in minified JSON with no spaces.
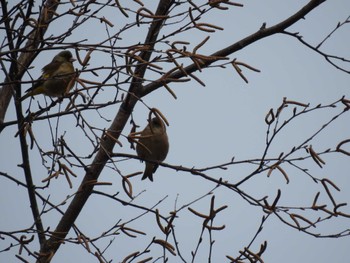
{"x":208,"y":126}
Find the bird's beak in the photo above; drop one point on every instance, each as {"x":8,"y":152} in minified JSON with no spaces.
{"x":72,"y":60}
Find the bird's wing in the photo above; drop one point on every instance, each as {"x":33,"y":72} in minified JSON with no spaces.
{"x":50,"y":69}
{"x":47,"y":72}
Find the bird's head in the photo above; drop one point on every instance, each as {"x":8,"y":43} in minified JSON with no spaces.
{"x":157,"y":123}
{"x":64,"y":56}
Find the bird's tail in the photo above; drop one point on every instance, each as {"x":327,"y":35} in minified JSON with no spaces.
{"x":150,"y":169}
{"x":35,"y":90}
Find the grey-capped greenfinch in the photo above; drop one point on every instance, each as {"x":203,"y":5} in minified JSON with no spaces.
{"x":153,"y":145}
{"x":55,"y":78}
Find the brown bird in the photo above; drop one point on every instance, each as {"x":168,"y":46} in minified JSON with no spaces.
{"x":153,"y":145}
{"x":56,"y":77}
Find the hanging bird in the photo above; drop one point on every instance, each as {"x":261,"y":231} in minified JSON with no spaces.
{"x":153,"y":145}
{"x":56,"y":77}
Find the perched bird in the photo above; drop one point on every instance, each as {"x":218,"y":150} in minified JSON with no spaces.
{"x":55,"y":77}
{"x":153,"y":145}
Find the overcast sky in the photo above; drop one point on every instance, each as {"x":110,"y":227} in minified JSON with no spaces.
{"x":208,"y":126}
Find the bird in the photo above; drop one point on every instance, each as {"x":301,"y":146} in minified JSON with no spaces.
{"x":55,"y":78}
{"x":153,"y":145}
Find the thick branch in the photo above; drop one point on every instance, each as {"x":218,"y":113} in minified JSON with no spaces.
{"x":106,"y":146}
{"x":23,"y":61}
{"x":260,"y":34}
{"x":136,"y":87}
{"x":17,"y":70}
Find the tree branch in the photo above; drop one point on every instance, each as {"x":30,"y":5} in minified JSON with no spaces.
{"x":106,"y":146}
{"x":260,"y":34}
{"x":17,"y":69}
{"x":19,"y":64}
